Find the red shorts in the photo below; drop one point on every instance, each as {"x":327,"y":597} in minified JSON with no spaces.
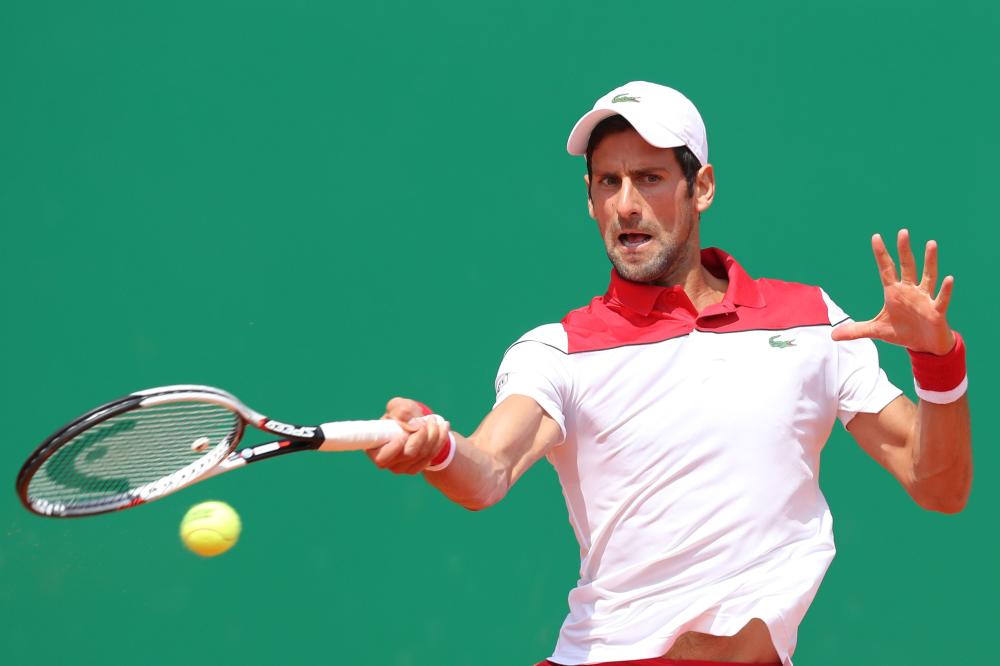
{"x":655,"y":661}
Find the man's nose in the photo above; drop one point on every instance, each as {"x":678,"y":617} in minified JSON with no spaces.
{"x":629,"y":203}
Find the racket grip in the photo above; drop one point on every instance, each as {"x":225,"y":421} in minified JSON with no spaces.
{"x":357,"y":435}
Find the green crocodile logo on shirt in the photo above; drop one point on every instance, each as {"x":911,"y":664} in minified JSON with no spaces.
{"x":624,"y":98}
{"x":780,"y":344}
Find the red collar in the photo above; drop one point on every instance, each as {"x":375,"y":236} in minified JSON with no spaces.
{"x":644,"y":299}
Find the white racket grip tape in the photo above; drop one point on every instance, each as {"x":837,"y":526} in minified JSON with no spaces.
{"x":359,"y":435}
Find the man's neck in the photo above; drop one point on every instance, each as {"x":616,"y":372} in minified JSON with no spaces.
{"x":702,"y":288}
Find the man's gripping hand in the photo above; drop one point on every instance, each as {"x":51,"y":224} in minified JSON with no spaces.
{"x":412,"y":451}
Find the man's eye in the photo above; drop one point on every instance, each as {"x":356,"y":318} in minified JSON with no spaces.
{"x":610,"y":180}
{"x":651,"y":178}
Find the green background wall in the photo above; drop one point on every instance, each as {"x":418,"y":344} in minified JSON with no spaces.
{"x":318,"y":206}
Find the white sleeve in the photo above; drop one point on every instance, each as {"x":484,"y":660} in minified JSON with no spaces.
{"x":536,"y":370}
{"x":862,"y":386}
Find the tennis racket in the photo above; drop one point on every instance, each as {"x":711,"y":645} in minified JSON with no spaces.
{"x":152,"y":443}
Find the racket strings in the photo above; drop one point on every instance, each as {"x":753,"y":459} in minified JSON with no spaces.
{"x":130,"y":450}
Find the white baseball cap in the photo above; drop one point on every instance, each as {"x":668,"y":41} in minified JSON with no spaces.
{"x":662,"y":116}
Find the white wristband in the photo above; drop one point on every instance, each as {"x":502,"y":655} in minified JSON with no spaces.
{"x":942,"y":397}
{"x":447,"y":461}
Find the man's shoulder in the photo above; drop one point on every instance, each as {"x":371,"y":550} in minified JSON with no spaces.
{"x":797,"y":302}
{"x":550,"y":335}
{"x":777,"y":291}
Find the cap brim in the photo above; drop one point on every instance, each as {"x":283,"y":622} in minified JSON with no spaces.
{"x":580,"y":136}
{"x":652,"y":133}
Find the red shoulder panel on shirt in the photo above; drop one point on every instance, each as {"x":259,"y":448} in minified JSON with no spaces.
{"x":599,"y":326}
{"x":789,"y":305}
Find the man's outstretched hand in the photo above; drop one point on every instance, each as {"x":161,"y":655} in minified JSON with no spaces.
{"x":912,"y":317}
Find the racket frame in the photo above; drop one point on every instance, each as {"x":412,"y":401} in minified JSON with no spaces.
{"x":221,"y":458}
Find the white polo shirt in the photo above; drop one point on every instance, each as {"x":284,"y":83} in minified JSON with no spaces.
{"x":690,"y":463}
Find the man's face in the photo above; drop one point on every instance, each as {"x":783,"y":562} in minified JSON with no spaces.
{"x":639,"y":198}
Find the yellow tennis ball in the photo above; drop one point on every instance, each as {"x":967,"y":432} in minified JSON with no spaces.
{"x":210,"y":528}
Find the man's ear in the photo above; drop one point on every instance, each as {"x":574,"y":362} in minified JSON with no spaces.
{"x":590,"y":202}
{"x":704,"y":188}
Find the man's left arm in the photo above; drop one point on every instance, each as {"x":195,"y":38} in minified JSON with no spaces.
{"x":927,"y":447}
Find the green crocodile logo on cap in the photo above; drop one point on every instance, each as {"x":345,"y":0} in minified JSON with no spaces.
{"x":624,"y":98}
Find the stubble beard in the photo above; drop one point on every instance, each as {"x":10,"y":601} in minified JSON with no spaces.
{"x":659,"y":266}
{"x":662,"y":267}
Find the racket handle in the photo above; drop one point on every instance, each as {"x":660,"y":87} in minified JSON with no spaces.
{"x":356,"y":435}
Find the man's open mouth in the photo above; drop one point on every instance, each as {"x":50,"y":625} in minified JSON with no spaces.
{"x":633,"y":241}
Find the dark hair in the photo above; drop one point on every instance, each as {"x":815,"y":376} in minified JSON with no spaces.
{"x":615,"y":124}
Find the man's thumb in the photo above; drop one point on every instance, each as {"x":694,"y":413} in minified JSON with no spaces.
{"x":850,"y":331}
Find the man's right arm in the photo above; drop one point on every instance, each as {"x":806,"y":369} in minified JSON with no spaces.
{"x":487,"y":463}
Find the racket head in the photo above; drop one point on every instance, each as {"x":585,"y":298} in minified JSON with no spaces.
{"x":132,"y":450}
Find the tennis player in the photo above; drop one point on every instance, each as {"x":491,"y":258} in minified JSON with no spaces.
{"x":685,"y":410}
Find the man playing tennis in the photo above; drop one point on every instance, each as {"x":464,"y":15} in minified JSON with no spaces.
{"x":685,"y":411}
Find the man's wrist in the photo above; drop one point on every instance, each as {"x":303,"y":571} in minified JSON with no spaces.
{"x":447,"y":452}
{"x":444,"y":456}
{"x":940,"y":379}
